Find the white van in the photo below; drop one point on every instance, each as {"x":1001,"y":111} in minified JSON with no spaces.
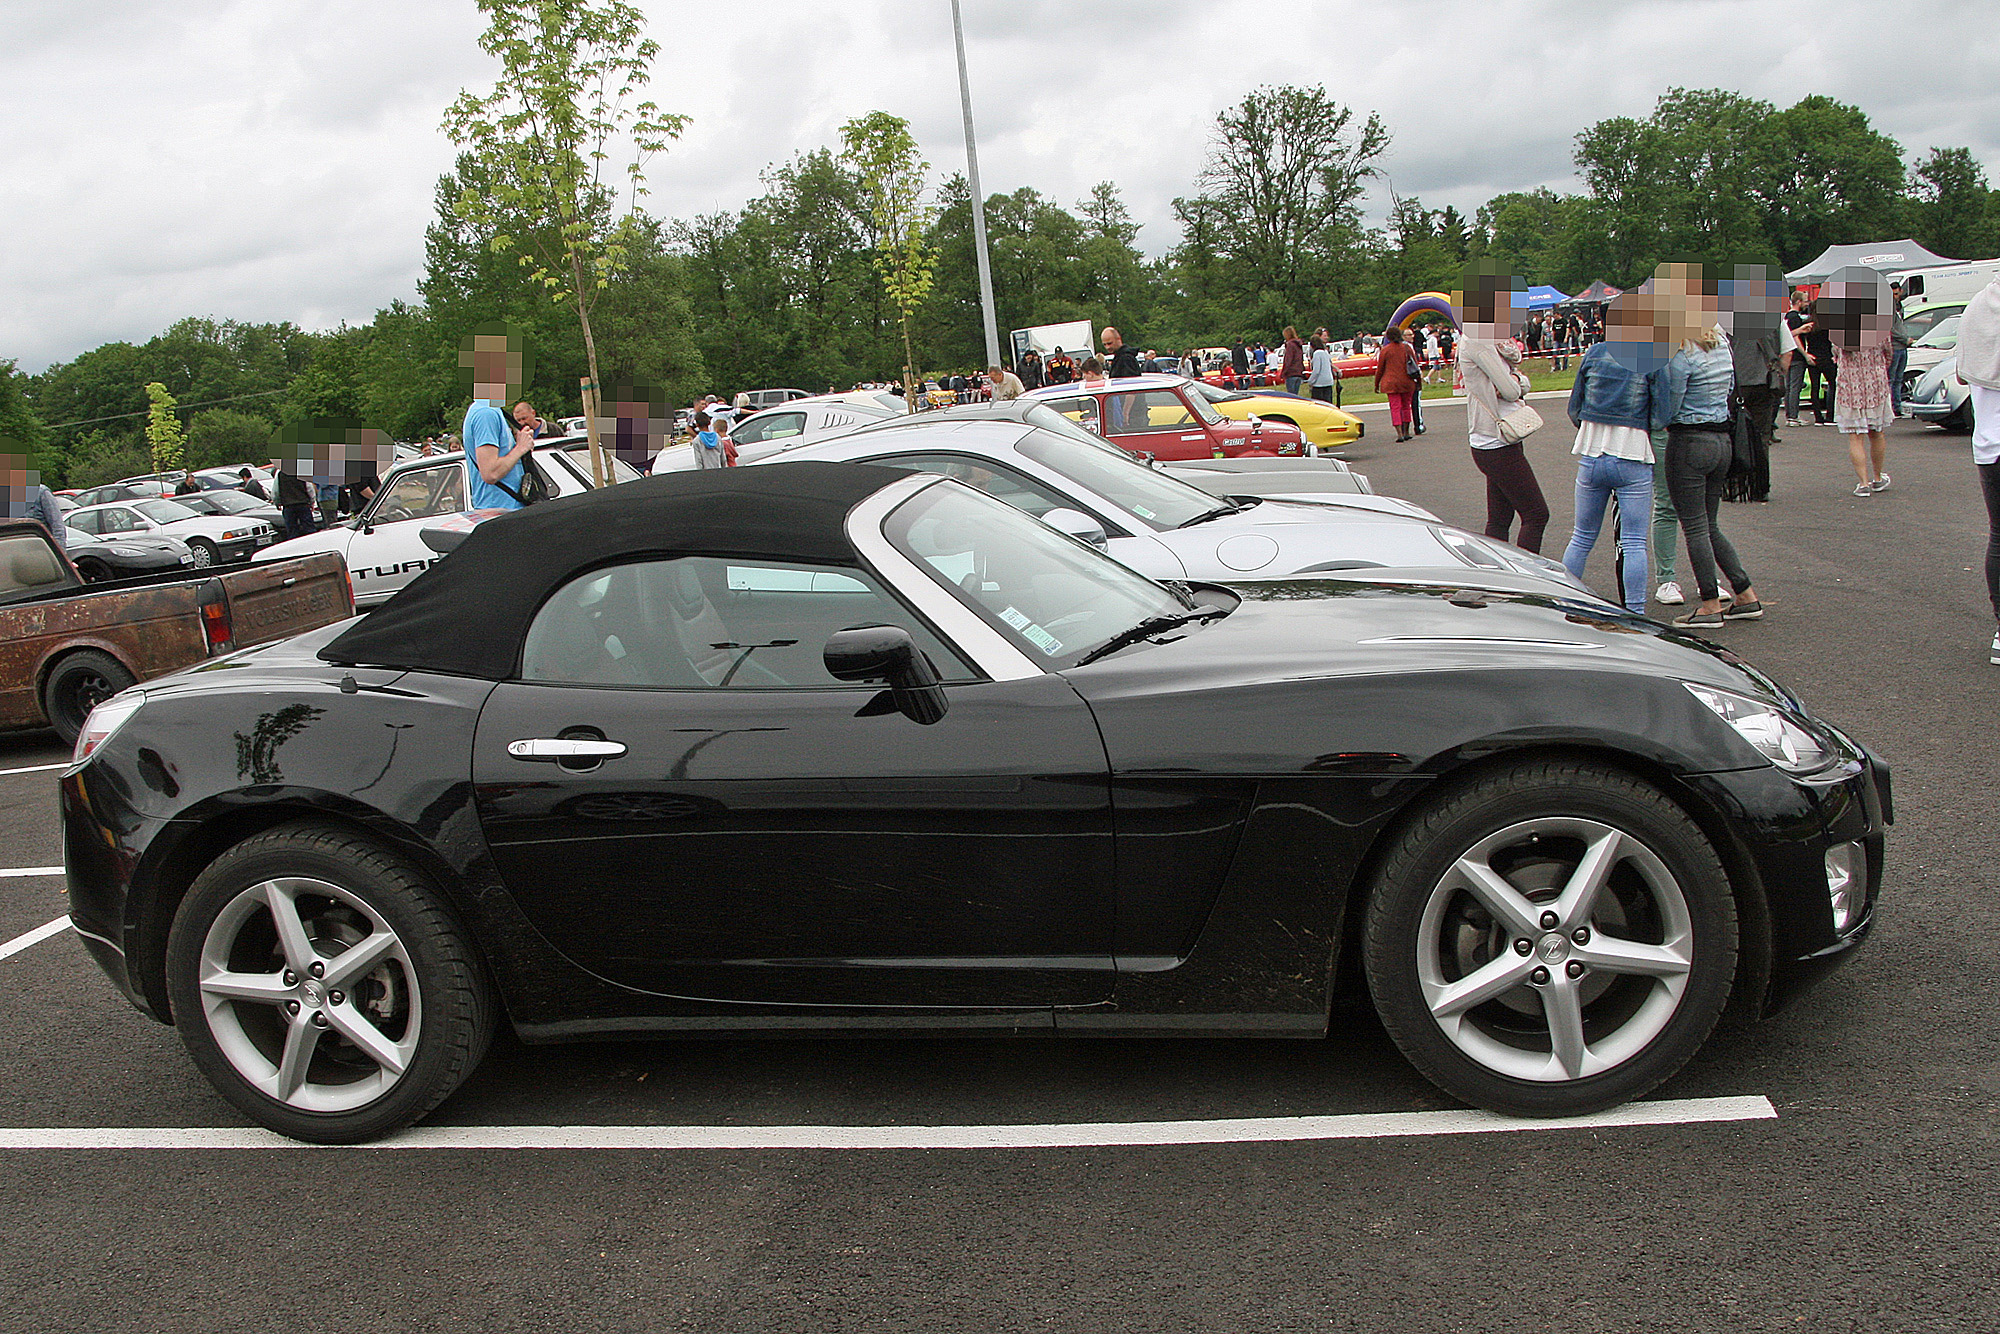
{"x":1954,"y":282}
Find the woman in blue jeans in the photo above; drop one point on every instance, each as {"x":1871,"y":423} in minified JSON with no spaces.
{"x":1700,"y":446}
{"x":1618,"y":400}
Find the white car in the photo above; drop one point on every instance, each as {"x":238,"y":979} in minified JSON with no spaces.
{"x":1166,"y":529}
{"x":212,"y":538}
{"x":383,"y":545}
{"x":795,"y":423}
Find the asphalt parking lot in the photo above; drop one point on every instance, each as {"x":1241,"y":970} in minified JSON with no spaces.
{"x":1864,"y":1203}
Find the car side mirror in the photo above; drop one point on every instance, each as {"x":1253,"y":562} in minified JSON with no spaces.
{"x":1078,"y":525}
{"x":1256,"y":422}
{"x":886,"y":654}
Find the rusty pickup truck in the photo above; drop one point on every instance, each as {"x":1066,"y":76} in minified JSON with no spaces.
{"x":65,"y":645}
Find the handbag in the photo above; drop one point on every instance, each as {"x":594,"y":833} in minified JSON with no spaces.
{"x":534,"y":486}
{"x":1519,"y":422}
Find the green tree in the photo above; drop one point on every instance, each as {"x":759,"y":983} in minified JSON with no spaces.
{"x":220,"y":436}
{"x":1951,"y":205}
{"x":1275,"y":227}
{"x":1824,"y":176}
{"x":569,"y":72}
{"x":882,"y":153}
{"x":163,"y":429}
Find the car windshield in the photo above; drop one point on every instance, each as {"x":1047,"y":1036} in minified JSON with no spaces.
{"x":1213,"y":393}
{"x":1158,"y":500}
{"x":225,"y":502}
{"x":1051,"y":594}
{"x":1204,"y":409}
{"x":164,"y":511}
{"x":1943,"y":334}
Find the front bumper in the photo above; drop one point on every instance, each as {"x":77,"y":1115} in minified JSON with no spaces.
{"x":1781,"y":829}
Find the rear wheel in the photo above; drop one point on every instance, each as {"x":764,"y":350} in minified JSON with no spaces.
{"x":323,"y":988}
{"x":78,"y":684}
{"x":1551,"y":939}
{"x":93,"y":570}
{"x":204,"y":551}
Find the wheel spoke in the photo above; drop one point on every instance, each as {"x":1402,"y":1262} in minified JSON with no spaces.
{"x":265,"y":988}
{"x":1586,"y":882}
{"x":1563,"y":1008}
{"x":301,"y":1039}
{"x":1501,"y":899}
{"x":1613,"y":955}
{"x":357,"y":959}
{"x":351,"y":1024}
{"x":1499,"y":975}
{"x":292,"y":937}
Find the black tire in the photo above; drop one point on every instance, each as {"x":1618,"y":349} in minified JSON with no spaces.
{"x":1664,"y":905}
{"x":204,"y":552}
{"x":77,"y":684}
{"x":93,"y":571}
{"x":425,"y":999}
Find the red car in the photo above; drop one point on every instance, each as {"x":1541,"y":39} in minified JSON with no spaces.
{"x":1159,"y":415}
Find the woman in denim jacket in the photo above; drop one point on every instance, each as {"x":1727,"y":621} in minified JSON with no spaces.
{"x":1619,"y":398}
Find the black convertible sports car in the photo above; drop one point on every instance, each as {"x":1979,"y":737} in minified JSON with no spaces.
{"x":832,"y":747}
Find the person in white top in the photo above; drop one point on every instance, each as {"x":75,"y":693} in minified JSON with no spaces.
{"x":1979,"y":367}
{"x":1619,"y":398}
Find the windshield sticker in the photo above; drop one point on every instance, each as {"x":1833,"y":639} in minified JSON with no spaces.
{"x":1031,"y":632}
{"x":1143,"y":512}
{"x":1042,"y":640}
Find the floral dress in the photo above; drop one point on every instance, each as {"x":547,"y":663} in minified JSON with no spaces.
{"x":1861,"y":390}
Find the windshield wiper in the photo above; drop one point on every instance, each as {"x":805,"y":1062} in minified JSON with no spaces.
{"x":1146,"y":629}
{"x":1234,"y":505}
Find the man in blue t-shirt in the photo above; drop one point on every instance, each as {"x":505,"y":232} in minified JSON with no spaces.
{"x":494,"y":447}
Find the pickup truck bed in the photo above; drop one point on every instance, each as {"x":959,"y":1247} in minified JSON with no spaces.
{"x":65,"y":645}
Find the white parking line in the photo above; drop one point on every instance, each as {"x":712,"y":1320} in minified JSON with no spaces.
{"x":35,"y":769}
{"x":35,"y":937}
{"x":1112,"y":1134}
{"x":29,"y":870}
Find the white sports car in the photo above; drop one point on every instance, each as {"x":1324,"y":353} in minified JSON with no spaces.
{"x":793,"y":423}
{"x":1164,"y":528}
{"x":383,"y":546}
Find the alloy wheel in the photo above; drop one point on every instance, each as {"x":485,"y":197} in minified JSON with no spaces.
{"x":310,"y":994}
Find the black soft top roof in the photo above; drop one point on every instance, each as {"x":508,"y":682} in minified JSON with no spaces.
{"x":468,"y":614}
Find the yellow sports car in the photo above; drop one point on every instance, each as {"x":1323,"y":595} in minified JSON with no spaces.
{"x":1323,"y":424}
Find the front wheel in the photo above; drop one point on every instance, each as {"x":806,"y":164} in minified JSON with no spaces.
{"x":1551,"y":939}
{"x":204,"y":551}
{"x":322,"y":987}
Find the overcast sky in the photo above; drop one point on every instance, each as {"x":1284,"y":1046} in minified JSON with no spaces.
{"x":275,"y":159}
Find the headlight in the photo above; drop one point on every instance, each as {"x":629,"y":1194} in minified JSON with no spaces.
{"x":126,"y":551}
{"x":104,"y":720}
{"x":1776,"y":737}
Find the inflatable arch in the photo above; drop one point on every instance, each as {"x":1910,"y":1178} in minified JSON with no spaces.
{"x":1434,"y":303}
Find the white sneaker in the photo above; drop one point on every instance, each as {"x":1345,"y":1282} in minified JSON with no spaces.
{"x":1880,"y":483}
{"x":1669,"y":595}
{"x":1995,"y":658}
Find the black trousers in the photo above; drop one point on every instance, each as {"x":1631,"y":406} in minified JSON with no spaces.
{"x":1989,"y":482}
{"x":1823,"y":373}
{"x":1697,"y":467}
{"x":1760,"y":411}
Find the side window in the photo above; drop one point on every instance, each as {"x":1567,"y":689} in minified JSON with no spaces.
{"x":771,"y":426}
{"x":1151,"y":410}
{"x":996,"y":480}
{"x":423,"y":493}
{"x":707,"y":623}
{"x":116,"y":521}
{"x":1082,"y":411}
{"x":27,"y":563}
{"x":90,"y":522}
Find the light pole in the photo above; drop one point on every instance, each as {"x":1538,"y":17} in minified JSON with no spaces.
{"x":992,"y":322}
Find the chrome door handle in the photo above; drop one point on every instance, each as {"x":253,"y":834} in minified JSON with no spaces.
{"x":552,"y":748}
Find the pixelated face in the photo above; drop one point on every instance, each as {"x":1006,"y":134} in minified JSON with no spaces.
{"x":492,"y":365}
{"x":20,"y":469}
{"x":1751,"y":301}
{"x":1855,"y":308}
{"x":633,"y":422}
{"x":1493,"y":306}
{"x":334,"y":454}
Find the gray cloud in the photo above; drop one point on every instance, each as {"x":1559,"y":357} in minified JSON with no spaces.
{"x":275,"y":160}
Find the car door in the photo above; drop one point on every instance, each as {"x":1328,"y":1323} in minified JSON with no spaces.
{"x":764,"y":833}
{"x":1156,"y":422}
{"x":766,"y":434}
{"x":388,"y":551}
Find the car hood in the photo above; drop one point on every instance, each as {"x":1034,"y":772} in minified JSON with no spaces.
{"x":337,"y":538}
{"x":1287,"y":630}
{"x":208,"y":525}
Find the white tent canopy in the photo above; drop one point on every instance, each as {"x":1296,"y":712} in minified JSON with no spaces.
{"x":1886,"y":256}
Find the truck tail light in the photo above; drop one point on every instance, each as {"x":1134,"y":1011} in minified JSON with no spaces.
{"x":216,"y":624}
